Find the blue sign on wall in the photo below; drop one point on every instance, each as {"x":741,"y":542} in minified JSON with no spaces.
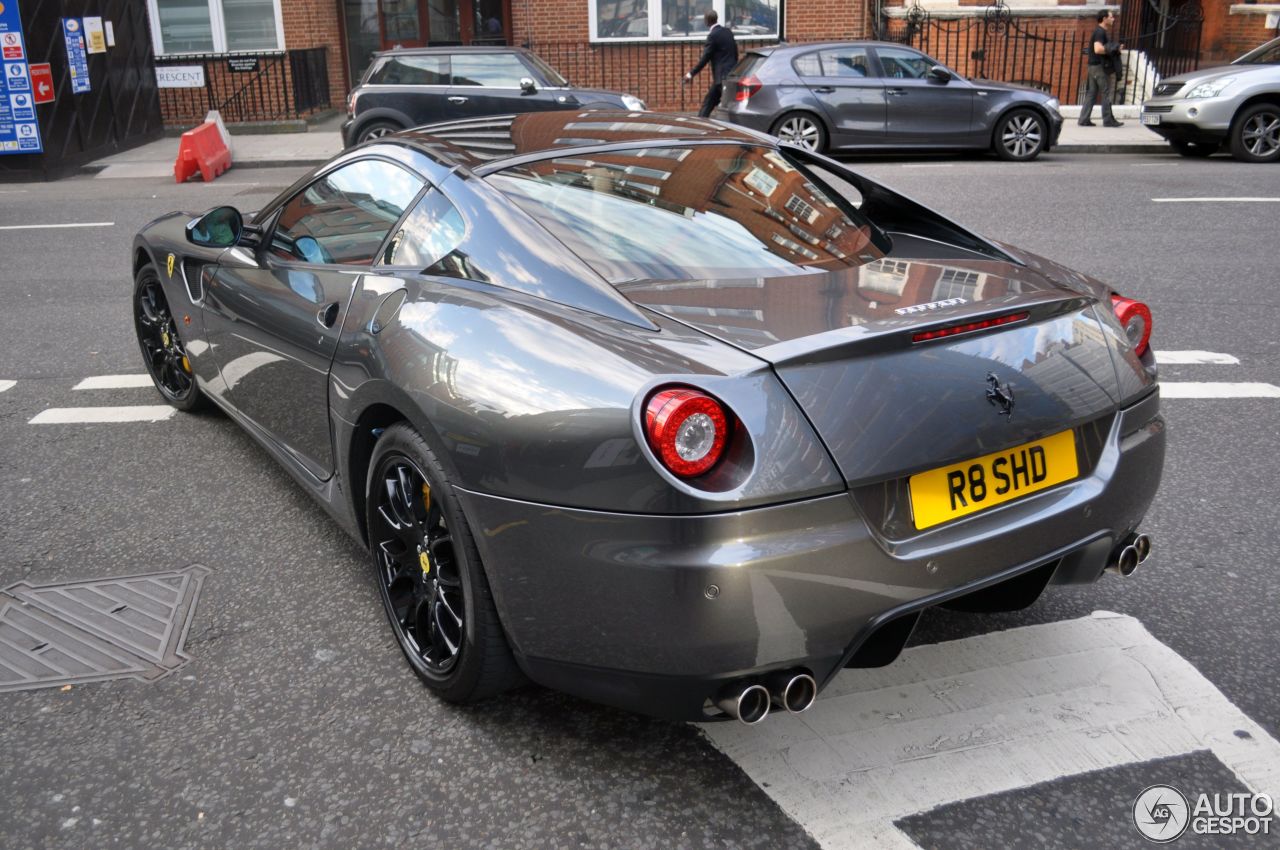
{"x":77,"y":57}
{"x":19,"y":131}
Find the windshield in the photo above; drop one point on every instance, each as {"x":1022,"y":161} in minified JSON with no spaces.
{"x":1267,"y":54}
{"x":551,"y":75}
{"x":692,"y":213}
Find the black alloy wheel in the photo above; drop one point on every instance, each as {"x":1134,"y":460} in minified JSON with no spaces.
{"x":1255,"y":134}
{"x":1020,"y":136}
{"x":429,"y":574}
{"x":376,"y":130}
{"x":161,"y":342}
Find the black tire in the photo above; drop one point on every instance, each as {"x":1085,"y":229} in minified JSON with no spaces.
{"x":1020,"y":135}
{"x":376,"y":130}
{"x":161,"y":344}
{"x":429,"y":574}
{"x":803,"y":129}
{"x":1194,"y":150}
{"x":1255,"y":134}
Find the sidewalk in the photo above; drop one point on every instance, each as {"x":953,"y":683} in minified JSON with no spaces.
{"x":323,"y":141}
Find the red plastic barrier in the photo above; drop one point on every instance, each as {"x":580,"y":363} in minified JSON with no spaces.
{"x":203,"y":150}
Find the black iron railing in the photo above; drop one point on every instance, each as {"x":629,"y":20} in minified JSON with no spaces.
{"x":245,"y":87}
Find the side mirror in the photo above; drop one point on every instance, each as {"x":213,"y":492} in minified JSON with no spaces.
{"x":939,"y":74}
{"x":218,"y":228}
{"x":527,"y":86}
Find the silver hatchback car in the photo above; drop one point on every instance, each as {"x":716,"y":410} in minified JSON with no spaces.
{"x":1237,"y":105}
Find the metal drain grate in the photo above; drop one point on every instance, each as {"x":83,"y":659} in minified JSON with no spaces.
{"x":87,"y":631}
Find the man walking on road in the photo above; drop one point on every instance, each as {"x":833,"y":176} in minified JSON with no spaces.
{"x":1104,"y":64}
{"x":722,"y":52}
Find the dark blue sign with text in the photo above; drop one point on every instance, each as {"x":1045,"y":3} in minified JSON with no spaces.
{"x":19,"y":132}
{"x":77,"y":57}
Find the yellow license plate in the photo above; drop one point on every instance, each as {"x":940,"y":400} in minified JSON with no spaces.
{"x":950,"y":492}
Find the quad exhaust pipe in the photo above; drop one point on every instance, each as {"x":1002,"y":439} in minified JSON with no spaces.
{"x":749,"y":702}
{"x":1131,"y":552}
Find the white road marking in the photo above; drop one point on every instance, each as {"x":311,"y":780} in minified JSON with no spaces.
{"x":1187,"y":358}
{"x":927,"y":164}
{"x":989,"y":714}
{"x":1216,"y":200}
{"x":1212,"y":389}
{"x":97,"y":415}
{"x":57,"y":226}
{"x":113,"y":382}
{"x":6,"y":385}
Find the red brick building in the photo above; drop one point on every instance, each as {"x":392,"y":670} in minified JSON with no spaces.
{"x":268,"y":60}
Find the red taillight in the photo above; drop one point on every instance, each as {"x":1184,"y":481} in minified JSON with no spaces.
{"x":687,"y":430}
{"x":969,"y":327}
{"x":1135,"y":318}
{"x":747,"y":86}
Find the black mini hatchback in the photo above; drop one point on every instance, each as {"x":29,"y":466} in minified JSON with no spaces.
{"x":409,"y":87}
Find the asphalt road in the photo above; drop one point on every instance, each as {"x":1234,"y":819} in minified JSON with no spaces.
{"x":297,"y":724}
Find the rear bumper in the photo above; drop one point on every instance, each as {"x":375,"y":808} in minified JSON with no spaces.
{"x":658,"y":613}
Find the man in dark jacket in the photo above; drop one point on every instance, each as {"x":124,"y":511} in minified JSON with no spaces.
{"x":722,"y":52}
{"x":1104,"y":64}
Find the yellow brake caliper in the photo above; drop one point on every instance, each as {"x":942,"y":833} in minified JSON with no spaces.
{"x":424,"y":557}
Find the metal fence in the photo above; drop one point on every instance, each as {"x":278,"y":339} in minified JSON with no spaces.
{"x":1051,"y":54}
{"x":247,"y":87}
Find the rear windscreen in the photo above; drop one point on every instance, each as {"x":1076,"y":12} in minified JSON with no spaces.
{"x":748,"y":64}
{"x":691,"y":213}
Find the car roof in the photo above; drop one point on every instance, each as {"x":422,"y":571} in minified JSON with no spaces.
{"x":458,"y":48}
{"x":824,"y":45}
{"x":484,"y":145}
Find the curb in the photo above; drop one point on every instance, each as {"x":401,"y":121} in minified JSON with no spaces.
{"x":1118,"y":147}
{"x":92,"y":168}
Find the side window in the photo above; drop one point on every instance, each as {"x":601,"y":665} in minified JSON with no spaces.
{"x":343,"y":217}
{"x":846,"y":62}
{"x":807,"y":65}
{"x":495,"y":70}
{"x":412,"y":71}
{"x":902,"y":64}
{"x":429,"y":233}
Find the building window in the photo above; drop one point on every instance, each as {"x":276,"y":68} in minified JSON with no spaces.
{"x":215,"y":26}
{"x":652,"y":20}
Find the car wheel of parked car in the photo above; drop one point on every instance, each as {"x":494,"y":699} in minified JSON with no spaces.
{"x":1255,"y":134}
{"x":803,"y":129}
{"x":429,"y":574}
{"x":377,"y":129}
{"x":1194,"y":149}
{"x":161,"y":345}
{"x":1020,"y":136}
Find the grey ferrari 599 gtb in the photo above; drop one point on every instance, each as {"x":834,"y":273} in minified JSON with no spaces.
{"x":659,"y":411}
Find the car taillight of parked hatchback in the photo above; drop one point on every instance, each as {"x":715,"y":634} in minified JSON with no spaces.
{"x":747,"y":86}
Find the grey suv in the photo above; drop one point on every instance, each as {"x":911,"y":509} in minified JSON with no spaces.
{"x":868,"y":95}
{"x":1237,"y":105}
{"x":409,"y":87}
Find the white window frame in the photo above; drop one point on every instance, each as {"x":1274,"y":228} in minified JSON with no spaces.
{"x":218,"y":25}
{"x":655,"y":25}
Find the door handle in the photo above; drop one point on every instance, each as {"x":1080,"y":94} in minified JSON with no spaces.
{"x":328,"y":314}
{"x":456,"y":99}
{"x":896,"y":92}
{"x":825,"y":89}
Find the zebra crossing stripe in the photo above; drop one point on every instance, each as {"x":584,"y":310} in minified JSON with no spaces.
{"x":113,"y":382}
{"x":1212,"y":389}
{"x":1188,"y":358}
{"x":989,"y":714}
{"x":7,"y":385}
{"x":98,"y":415}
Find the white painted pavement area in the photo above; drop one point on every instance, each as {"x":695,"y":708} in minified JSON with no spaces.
{"x":113,"y":382}
{"x":989,"y":714}
{"x":98,"y":415}
{"x":4,"y":385}
{"x":1191,"y":358}
{"x":1217,"y":389}
{"x":57,"y":226}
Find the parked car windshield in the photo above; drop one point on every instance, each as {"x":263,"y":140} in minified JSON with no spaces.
{"x":689,"y":213}
{"x":1267,"y":54}
{"x":551,"y":75}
